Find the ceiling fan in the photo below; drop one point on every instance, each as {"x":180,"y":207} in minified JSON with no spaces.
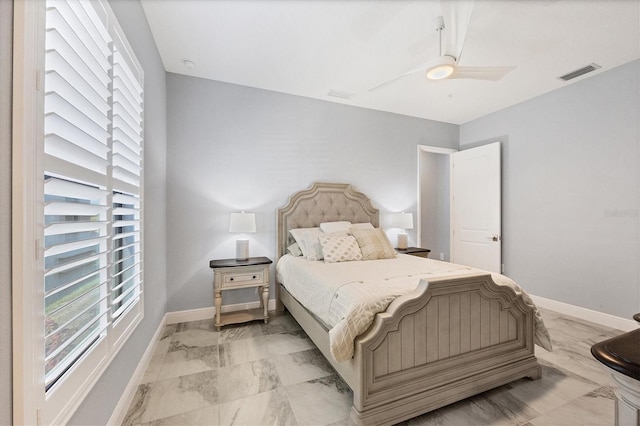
{"x":446,"y":65}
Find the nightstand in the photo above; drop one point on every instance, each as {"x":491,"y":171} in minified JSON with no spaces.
{"x":232,"y":274}
{"x":415,"y":251}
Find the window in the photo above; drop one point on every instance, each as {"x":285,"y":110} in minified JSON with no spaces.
{"x":86,"y":292}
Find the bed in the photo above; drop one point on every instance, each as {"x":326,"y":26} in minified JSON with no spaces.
{"x":409,"y":361}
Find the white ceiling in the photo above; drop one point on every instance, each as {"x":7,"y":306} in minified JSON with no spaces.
{"x":308,"y":47}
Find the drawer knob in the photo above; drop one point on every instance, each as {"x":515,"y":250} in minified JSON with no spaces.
{"x":231,"y":279}
{"x":254,"y":277}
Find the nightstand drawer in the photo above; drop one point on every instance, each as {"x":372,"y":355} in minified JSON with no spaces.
{"x":232,"y":279}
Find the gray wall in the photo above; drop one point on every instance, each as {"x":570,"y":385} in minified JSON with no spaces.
{"x":570,"y":190}
{"x":434,"y":197}
{"x":99,"y":404}
{"x":235,"y":148}
{"x":6,"y":30}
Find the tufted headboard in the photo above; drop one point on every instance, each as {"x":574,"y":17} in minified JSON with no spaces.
{"x":323,"y":202}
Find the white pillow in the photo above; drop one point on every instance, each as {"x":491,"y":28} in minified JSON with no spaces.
{"x":362,"y":226}
{"x":339,"y":248}
{"x":294,"y":250}
{"x":307,"y":239}
{"x":341,"y":226}
{"x":299,"y":235}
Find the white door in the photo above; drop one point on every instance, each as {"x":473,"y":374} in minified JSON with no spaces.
{"x":475,"y":208}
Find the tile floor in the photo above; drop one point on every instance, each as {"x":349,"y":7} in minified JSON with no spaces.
{"x":272,"y":374}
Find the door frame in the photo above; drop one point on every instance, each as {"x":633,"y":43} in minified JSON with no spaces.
{"x":428,"y":150}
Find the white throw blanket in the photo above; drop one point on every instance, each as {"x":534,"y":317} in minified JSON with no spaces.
{"x":346,"y":296}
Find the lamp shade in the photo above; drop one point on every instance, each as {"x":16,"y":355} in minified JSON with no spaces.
{"x":402,"y":220}
{"x":242,"y":222}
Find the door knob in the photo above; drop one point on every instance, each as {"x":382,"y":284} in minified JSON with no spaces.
{"x":494,"y":238}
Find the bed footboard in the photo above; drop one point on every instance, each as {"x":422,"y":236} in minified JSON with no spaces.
{"x":448,"y":340}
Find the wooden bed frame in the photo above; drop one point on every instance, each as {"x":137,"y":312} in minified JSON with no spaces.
{"x":448,"y":340}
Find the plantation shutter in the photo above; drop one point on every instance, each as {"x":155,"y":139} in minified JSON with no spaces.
{"x":77,"y":128}
{"x":127,"y":169}
{"x":93,"y":125}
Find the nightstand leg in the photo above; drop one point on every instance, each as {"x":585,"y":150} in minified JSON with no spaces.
{"x":217,"y":300}
{"x":265,"y":302}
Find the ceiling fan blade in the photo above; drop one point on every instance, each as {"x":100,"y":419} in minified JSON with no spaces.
{"x":481,"y":73}
{"x":456,"y":15}
{"x":408,"y":73}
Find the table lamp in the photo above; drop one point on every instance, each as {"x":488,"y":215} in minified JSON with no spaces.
{"x":403,"y":221}
{"x":244,"y":223}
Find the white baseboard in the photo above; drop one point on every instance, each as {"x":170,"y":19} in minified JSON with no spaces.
{"x":120,"y":410}
{"x":190,"y":315}
{"x":207,"y":313}
{"x":608,"y":320}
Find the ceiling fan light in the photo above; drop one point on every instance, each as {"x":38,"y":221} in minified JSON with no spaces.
{"x":440,"y":71}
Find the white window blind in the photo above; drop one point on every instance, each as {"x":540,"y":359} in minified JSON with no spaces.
{"x":126,"y":181}
{"x":92,"y":184}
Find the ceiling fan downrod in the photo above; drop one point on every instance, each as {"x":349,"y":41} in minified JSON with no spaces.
{"x":439,"y":24}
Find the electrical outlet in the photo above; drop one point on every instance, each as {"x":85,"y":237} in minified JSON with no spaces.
{"x":441,"y":256}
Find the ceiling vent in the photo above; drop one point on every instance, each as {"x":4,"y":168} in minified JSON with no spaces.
{"x":579,"y":72}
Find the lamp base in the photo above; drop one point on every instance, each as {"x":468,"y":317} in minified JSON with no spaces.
{"x":402,"y":241}
{"x":242,"y":249}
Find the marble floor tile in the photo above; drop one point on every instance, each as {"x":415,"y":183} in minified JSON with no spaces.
{"x":568,"y":330}
{"x":242,"y":351}
{"x":206,"y":324}
{"x":160,"y":350}
{"x":256,"y":374}
{"x":493,"y":407}
{"x":152,"y":372}
{"x":189,"y":361}
{"x":594,"y":408}
{"x":286,"y":343}
{"x":168,"y":330}
{"x":576,"y":358}
{"x":266,"y":408}
{"x":302,"y":366}
{"x":174,"y":396}
{"x":163,"y":343}
{"x":208,"y":416}
{"x":230,"y":333}
{"x":556,"y":387}
{"x":193,"y":338}
{"x":238,"y":381}
{"x":343,"y":422}
{"x":321,"y":401}
{"x":279,"y":323}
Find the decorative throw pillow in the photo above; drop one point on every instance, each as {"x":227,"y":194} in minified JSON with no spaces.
{"x":340,"y":226}
{"x":339,"y":248}
{"x":374,"y":244}
{"x":307,"y":239}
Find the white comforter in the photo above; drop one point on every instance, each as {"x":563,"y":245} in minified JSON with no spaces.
{"x":346,"y":296}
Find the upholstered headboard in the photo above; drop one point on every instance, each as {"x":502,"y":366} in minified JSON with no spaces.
{"x":323,"y":202}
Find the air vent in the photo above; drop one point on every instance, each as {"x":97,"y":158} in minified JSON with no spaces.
{"x":578,"y":73}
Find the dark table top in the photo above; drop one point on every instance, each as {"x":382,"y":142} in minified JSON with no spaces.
{"x":621,"y":353}
{"x":229,"y":263}
{"x":409,"y":250}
